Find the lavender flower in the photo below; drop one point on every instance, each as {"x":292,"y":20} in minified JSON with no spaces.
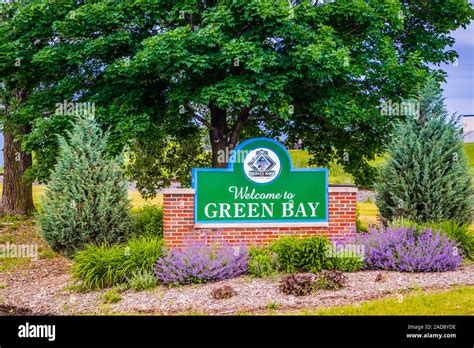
{"x":405,"y":249}
{"x":199,"y":263}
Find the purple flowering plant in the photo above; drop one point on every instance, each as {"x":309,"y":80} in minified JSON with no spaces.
{"x":405,"y":249}
{"x":199,"y":263}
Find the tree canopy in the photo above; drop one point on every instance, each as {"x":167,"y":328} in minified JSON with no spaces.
{"x":312,"y":70}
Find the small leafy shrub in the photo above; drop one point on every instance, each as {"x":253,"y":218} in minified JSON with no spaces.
{"x":346,"y":263}
{"x":406,"y":249}
{"x":297,"y":284}
{"x":301,"y":254}
{"x":101,"y":266}
{"x":148,"y":221}
{"x":200,"y":263}
{"x":142,"y":280}
{"x":345,"y":257}
{"x":223,"y":292}
{"x":273,"y":306}
{"x":330,"y":280}
{"x":458,"y":232}
{"x":112,"y":296}
{"x":263,"y":262}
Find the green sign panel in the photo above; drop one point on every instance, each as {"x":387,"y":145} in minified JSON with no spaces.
{"x":260,"y":185}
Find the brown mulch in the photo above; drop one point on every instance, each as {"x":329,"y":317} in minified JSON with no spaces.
{"x":14,"y":311}
{"x":44,"y":287}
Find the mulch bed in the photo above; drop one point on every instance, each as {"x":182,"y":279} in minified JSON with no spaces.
{"x":14,"y":311}
{"x":43,"y":287}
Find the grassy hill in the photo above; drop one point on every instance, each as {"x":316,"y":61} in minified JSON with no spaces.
{"x":469,"y":151}
{"x":337,"y":175}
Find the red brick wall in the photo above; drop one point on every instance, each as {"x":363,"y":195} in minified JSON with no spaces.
{"x":179,"y":228}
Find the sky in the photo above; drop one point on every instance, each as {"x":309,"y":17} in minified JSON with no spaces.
{"x":459,"y":86}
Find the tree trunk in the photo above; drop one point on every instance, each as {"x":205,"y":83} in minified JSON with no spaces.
{"x":17,"y":194}
{"x":218,"y":137}
{"x":223,"y":140}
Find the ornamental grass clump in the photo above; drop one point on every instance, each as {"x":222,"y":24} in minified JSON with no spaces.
{"x":409,"y":250}
{"x":200,"y":263}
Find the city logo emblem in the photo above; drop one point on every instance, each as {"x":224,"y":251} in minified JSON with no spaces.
{"x":262,"y":165}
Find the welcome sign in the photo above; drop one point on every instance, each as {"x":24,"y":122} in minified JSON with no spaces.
{"x":260,"y":185}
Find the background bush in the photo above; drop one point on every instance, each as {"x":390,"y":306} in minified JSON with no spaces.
{"x":87,"y":196}
{"x":263,"y":262}
{"x":104,"y":266}
{"x":426,"y":177}
{"x":301,"y":254}
{"x":200,"y":263}
{"x":148,"y":220}
{"x":453,"y":230}
{"x":406,"y":249}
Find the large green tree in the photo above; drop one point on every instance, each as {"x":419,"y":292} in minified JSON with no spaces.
{"x":24,"y":31}
{"x":309,"y":69}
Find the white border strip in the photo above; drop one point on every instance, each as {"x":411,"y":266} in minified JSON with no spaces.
{"x":183,"y":191}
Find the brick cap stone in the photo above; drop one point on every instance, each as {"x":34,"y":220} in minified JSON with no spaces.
{"x":342,"y":188}
{"x":178,"y":191}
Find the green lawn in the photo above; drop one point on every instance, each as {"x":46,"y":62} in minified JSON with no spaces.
{"x":469,"y":150}
{"x":456,"y":301}
{"x":367,"y":213}
{"x":136,"y":199}
{"x":337,"y":175}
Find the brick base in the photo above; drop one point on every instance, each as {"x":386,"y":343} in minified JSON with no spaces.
{"x":179,"y":227}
